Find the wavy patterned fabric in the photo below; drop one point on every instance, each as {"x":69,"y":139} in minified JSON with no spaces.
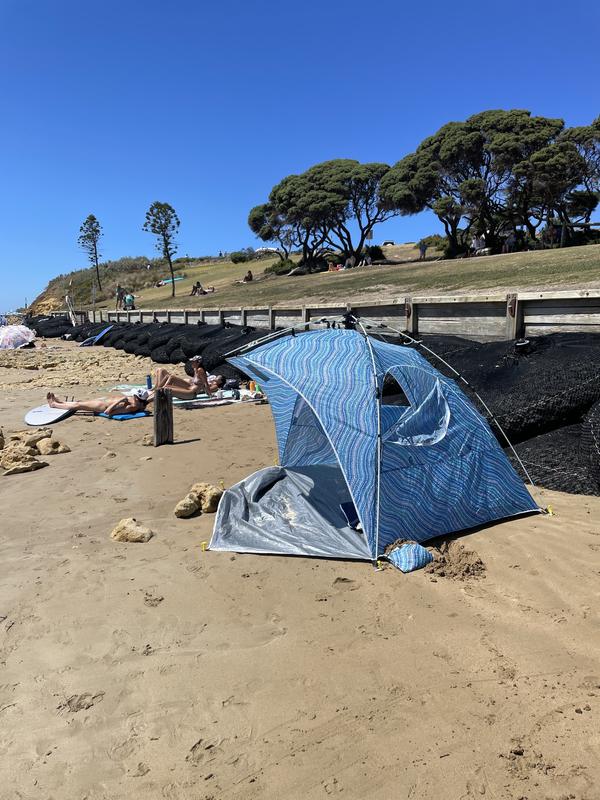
{"x":439,"y":467}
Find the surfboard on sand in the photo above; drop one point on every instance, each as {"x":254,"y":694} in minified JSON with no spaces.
{"x":44,"y":415}
{"x":96,"y":339}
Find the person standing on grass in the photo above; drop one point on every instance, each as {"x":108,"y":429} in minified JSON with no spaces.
{"x":119,"y":294}
{"x":422,"y":251}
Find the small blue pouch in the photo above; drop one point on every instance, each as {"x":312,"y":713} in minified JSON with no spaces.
{"x":409,"y":557}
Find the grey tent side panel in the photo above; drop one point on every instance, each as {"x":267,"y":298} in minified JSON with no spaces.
{"x":289,"y":511}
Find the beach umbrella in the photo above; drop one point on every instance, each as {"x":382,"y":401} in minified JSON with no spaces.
{"x":14,"y":336}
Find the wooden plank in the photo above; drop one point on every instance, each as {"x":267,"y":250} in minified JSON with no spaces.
{"x":463,"y":310}
{"x":462,"y":298}
{"x":542,"y":330}
{"x":580,"y":303}
{"x":568,"y":294}
{"x":258,"y":318}
{"x":163,"y":417}
{"x":457,"y":326}
{"x":563,"y":319}
{"x":330,"y":313}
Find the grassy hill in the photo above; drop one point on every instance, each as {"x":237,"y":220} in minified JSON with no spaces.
{"x":577,"y":267}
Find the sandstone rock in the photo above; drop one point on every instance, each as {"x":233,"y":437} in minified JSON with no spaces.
{"x":50,"y":447}
{"x":14,"y":450}
{"x":188,"y":506}
{"x":14,"y":462}
{"x":148,"y":440}
{"x":31,"y":438}
{"x":130,"y":530}
{"x":208,"y":495}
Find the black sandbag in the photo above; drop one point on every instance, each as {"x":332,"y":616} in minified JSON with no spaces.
{"x":177,"y":356}
{"x":555,"y":461}
{"x":590,"y":441}
{"x":232,"y":338}
{"x":159,"y":355}
{"x":143,"y":350}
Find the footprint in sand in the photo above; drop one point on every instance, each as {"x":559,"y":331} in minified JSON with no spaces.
{"x":152,"y":600}
{"x":345,"y":585}
{"x":81,"y":702}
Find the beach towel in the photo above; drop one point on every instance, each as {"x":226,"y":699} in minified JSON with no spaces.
{"x":409,"y":557}
{"x":201,"y":400}
{"x":122,"y":417}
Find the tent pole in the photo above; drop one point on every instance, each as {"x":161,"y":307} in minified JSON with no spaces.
{"x":378,"y":471}
{"x":265,"y":339}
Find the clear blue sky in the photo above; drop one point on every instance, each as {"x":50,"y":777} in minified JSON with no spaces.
{"x":205,"y":105}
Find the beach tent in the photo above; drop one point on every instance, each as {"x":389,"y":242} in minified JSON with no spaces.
{"x":357,"y":472}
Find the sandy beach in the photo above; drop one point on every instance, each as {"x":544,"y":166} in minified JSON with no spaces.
{"x":164,"y":672}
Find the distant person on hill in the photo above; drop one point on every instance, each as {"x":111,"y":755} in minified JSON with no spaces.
{"x":131,"y":404}
{"x":197,"y":288}
{"x":188,"y":388}
{"x":119,"y":294}
{"x":248,"y":277}
{"x":422,"y":250}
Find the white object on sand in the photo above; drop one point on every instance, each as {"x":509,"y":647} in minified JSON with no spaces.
{"x":44,"y":415}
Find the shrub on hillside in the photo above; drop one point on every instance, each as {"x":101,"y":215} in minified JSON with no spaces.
{"x":375,"y":251}
{"x":239,"y":256}
{"x":281,"y":267}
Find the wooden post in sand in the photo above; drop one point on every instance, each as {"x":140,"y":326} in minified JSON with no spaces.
{"x":163,"y":417}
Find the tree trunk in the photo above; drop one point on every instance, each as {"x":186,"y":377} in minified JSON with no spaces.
{"x":172,"y":275}
{"x":97,"y":269}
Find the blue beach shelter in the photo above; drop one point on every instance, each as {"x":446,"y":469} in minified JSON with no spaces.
{"x":360,"y":467}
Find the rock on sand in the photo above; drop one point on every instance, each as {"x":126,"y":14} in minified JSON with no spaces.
{"x":130,"y":530}
{"x":188,"y":506}
{"x":208,"y":495}
{"x":18,"y":456}
{"x":50,"y":447}
{"x":202,"y":497}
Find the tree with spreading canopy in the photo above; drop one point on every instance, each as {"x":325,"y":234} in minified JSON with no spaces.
{"x":163,"y":222}
{"x":90,"y":234}
{"x":335,"y":205}
{"x":479,"y":175}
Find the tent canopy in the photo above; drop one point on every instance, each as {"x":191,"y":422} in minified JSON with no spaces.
{"x":425,"y":466}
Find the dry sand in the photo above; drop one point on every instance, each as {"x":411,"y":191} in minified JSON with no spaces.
{"x":159,"y":671}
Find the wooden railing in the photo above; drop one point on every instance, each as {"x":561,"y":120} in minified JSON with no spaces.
{"x":493,"y":316}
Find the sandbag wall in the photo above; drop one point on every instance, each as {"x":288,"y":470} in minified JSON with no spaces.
{"x":172,"y":343}
{"x":544,"y":394}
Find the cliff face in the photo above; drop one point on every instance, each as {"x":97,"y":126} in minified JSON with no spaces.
{"x":47,"y":302}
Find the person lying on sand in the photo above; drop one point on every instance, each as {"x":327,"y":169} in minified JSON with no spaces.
{"x":131,"y":404}
{"x":188,"y":388}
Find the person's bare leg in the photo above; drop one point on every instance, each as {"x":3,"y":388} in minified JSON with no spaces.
{"x":184,"y":394}
{"x":173,"y":382}
{"x":95,"y":406}
{"x":161,"y":376}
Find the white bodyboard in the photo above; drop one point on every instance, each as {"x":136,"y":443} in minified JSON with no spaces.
{"x":44,"y":415}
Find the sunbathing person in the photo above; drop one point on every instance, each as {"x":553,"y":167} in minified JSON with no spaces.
{"x":131,"y":404}
{"x":188,"y":388}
